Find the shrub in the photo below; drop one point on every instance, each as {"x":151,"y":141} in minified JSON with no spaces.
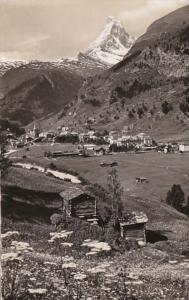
{"x":113,"y":99}
{"x":133,"y":111}
{"x":184,"y":107}
{"x":140,"y":112}
{"x":93,"y":102}
{"x":52,"y":166}
{"x":56,"y":219}
{"x":4,"y":161}
{"x":122,"y":102}
{"x":86,"y":230}
{"x":130,"y":115}
{"x":166,"y":107}
{"x":120,"y":92}
{"x":145,"y":108}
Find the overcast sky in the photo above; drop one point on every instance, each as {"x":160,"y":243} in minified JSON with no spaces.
{"x":51,"y":29}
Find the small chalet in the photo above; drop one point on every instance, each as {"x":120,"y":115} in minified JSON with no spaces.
{"x":93,"y":150}
{"x":79,"y":204}
{"x":183,"y":148}
{"x":133,"y":226}
{"x":100,"y":151}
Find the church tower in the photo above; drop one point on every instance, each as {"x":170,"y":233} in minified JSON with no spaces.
{"x":35,"y":130}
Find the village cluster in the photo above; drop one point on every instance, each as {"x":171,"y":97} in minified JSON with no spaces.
{"x":93,"y":142}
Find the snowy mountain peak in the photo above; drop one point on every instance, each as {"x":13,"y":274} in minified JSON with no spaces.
{"x":112,"y":44}
{"x":112,"y":19}
{"x":113,"y":22}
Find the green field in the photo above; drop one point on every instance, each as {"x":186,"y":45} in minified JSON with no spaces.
{"x":151,"y":264}
{"x":33,"y":180}
{"x":161,"y":170}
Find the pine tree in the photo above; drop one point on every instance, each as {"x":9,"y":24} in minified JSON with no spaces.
{"x":175,"y":197}
{"x":115,"y":192}
{"x":187,"y":206}
{"x":4,"y":161}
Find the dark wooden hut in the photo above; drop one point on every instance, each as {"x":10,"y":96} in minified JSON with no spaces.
{"x":78,"y":203}
{"x":133,"y":226}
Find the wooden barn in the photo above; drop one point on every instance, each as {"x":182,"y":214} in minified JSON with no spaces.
{"x":133,"y":227}
{"x":78,"y":203}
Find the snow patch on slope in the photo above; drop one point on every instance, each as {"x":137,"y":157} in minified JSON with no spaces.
{"x":6,"y":65}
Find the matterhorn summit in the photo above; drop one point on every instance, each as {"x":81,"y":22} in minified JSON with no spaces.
{"x":112,"y":44}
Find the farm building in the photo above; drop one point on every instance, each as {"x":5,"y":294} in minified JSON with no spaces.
{"x":93,"y":150}
{"x":78,"y":203}
{"x":101,"y":151}
{"x":133,"y":227}
{"x":184,"y":148}
{"x":47,"y":134}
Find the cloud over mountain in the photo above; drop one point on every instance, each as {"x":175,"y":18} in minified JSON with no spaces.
{"x":71,"y":24}
{"x":151,"y":7}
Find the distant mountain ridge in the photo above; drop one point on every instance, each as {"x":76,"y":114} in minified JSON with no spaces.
{"x":35,"y":89}
{"x":6,"y":65}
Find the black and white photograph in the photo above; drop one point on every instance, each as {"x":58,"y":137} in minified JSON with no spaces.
{"x":94,"y":149}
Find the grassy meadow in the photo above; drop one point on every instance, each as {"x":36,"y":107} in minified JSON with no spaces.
{"x":162,"y":171}
{"x":63,"y":268}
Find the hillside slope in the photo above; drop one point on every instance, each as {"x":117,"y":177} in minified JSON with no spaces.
{"x":148,"y":90}
{"x":35,"y":189}
{"x":36,"y":89}
{"x":33,"y":90}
